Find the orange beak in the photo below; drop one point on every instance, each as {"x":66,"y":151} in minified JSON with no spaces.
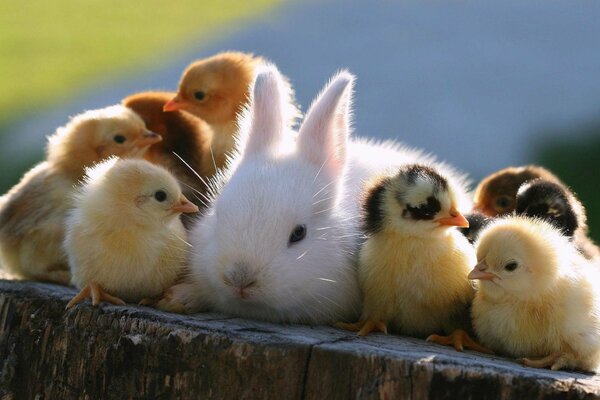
{"x":176,"y":103}
{"x":480,"y":273}
{"x":455,"y":219}
{"x":148,"y":138}
{"x":184,"y":206}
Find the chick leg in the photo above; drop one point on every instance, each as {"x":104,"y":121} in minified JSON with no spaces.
{"x":459,"y":339}
{"x":363,"y":327}
{"x":544,"y":362}
{"x":97,"y":294}
{"x":79,"y":297}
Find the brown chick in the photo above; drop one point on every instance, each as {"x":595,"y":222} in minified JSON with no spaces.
{"x":496,"y":194}
{"x":32,"y":213}
{"x":184,"y":150}
{"x":216,"y":89}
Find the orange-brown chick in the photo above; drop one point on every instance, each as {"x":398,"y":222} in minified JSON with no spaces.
{"x":32,"y":213}
{"x":216,"y":89}
{"x":496,"y":194}
{"x":185,"y":137}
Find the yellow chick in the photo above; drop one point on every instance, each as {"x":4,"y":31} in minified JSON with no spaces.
{"x":124,"y":238}
{"x":32,"y":213}
{"x":413,"y":267}
{"x":216,"y":89}
{"x":538,"y":298}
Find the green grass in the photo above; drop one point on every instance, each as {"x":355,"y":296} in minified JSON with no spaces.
{"x":577,"y":163}
{"x":50,"y":49}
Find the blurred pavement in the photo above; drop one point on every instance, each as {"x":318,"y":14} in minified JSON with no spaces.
{"x":469,"y":81}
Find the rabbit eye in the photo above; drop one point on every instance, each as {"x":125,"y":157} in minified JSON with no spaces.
{"x":511,"y":266}
{"x":298,"y":234}
{"x":199,"y":95}
{"x":160,"y":196}
{"x":119,"y":139}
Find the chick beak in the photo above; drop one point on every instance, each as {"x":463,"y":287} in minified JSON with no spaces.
{"x":176,"y":103}
{"x":479,"y":272}
{"x":184,"y":206}
{"x":455,"y":219}
{"x":148,"y":139}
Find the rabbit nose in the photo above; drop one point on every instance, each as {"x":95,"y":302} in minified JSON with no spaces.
{"x":240,"y":278}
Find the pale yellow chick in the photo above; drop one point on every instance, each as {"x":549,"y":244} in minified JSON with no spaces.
{"x":539,"y":299}
{"x":413,"y":267}
{"x":32,"y":213}
{"x":125,"y":240}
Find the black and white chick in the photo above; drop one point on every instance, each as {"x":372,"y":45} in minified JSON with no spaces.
{"x":414,"y":264}
{"x":558,"y":205}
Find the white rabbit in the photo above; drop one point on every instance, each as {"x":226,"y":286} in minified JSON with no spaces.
{"x":279,"y":242}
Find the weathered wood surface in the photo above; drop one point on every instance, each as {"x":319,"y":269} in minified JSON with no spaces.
{"x":132,"y":352}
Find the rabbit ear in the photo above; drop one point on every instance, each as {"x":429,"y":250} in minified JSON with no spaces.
{"x":266,"y":111}
{"x":324,"y":134}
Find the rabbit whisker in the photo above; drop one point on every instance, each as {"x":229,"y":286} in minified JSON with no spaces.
{"x":327,"y":280}
{"x":322,"y":200}
{"x":323,"y":188}
{"x":188,"y":165}
{"x":212,"y":155}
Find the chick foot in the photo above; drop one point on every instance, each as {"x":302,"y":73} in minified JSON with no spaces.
{"x":363,"y":327}
{"x":97,"y":294}
{"x":169,"y":302}
{"x":555,"y":361}
{"x":459,"y":339}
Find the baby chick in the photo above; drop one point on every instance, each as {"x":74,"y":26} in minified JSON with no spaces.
{"x":413,"y":267}
{"x":556,"y":204}
{"x":538,"y":297}
{"x":495,"y":195}
{"x":216,"y":89}
{"x":124,"y":237}
{"x":477,"y":221}
{"x":184,"y":150}
{"x":32,"y":213}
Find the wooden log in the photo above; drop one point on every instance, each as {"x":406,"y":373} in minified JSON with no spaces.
{"x":132,"y":352}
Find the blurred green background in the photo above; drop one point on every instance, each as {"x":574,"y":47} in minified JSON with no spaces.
{"x":52,"y":49}
{"x":577,"y":162}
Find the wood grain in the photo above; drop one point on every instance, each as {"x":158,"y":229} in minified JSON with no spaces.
{"x":135,"y":352}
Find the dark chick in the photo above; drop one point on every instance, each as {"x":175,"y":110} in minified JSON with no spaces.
{"x":555,"y":203}
{"x":495,"y":195}
{"x":185,"y":137}
{"x":477,"y":221}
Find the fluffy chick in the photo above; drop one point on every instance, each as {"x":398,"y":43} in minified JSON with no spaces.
{"x":124,"y":238}
{"x":32,"y":213}
{"x":538,"y":297}
{"x":216,"y":89}
{"x":477,"y":221}
{"x":558,"y":205}
{"x":413,"y":267}
{"x":495,"y":195}
{"x":184,"y":150}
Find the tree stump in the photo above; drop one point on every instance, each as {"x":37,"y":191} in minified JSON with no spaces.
{"x":132,"y":352}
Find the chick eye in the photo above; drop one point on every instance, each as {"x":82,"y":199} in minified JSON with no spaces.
{"x":511,"y":266}
{"x":160,"y":195}
{"x":298,"y":234}
{"x":502,"y":203}
{"x":199,"y":95}
{"x":119,"y":139}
